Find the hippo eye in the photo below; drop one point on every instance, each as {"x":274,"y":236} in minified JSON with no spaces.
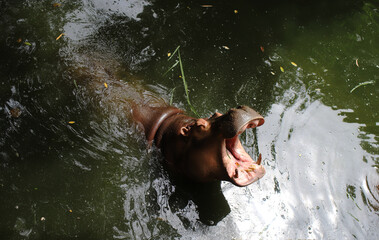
{"x":215,"y":115}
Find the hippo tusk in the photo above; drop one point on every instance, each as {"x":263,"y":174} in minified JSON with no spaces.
{"x":259,"y":159}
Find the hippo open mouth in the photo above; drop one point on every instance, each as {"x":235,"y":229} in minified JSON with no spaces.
{"x":204,"y":149}
{"x":241,"y":168}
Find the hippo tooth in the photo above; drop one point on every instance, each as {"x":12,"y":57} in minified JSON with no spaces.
{"x":259,"y":159}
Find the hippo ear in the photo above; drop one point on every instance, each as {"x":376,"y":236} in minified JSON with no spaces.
{"x":185,"y":130}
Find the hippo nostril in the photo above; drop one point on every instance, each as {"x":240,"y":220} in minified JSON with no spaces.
{"x":236,"y":173}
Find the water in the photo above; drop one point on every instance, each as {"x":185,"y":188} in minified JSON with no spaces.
{"x":94,"y":179}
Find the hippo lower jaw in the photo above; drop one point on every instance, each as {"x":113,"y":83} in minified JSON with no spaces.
{"x":241,"y":168}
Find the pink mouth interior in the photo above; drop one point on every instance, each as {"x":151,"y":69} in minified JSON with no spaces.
{"x":241,"y":168}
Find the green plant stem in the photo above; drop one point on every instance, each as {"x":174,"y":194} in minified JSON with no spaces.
{"x":177,"y":48}
{"x":174,"y":65}
{"x":185,"y":83}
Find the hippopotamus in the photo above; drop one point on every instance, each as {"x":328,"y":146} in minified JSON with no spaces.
{"x":201,"y":150}
{"x":204,"y":149}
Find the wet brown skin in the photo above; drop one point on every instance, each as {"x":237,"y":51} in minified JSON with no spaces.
{"x":204,"y":149}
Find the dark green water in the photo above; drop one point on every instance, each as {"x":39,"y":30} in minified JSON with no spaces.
{"x":94,"y":179}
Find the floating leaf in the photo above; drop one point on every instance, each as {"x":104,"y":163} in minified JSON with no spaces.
{"x":76,"y":85}
{"x":356,"y":62}
{"x":59,"y":36}
{"x":235,"y":11}
{"x":43,"y":219}
{"x":262,"y":49}
{"x":206,"y":6}
{"x":56,"y":4}
{"x":362,"y":84}
{"x":28,"y":43}
{"x":294,"y":64}
{"x":105,"y":85}
{"x":19,"y":40}
{"x":226,"y":47}
{"x":15,"y":112}
{"x":70,"y":211}
{"x":282,"y":69}
{"x":168,"y":54}
{"x":272,"y":73}
{"x":71,"y":122}
{"x":356,"y":219}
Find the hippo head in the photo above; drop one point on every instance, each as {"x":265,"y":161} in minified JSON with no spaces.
{"x":209,"y":149}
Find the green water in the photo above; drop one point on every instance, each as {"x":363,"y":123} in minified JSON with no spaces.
{"x":94,"y":179}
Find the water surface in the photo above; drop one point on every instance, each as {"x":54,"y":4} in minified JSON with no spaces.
{"x":294,"y":62}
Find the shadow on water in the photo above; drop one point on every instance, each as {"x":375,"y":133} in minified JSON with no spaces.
{"x":94,"y":179}
{"x":208,"y":197}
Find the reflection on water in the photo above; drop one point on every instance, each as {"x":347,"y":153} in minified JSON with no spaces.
{"x":310,"y":170}
{"x":72,"y":164}
{"x":85,"y":20}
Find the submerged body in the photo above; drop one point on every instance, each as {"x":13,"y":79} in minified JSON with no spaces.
{"x":203,"y":150}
